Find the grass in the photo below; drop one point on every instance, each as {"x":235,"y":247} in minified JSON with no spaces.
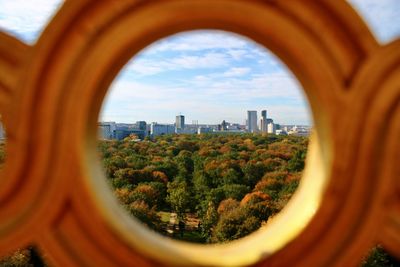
{"x":164,"y":216}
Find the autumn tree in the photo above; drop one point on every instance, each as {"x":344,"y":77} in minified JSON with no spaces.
{"x":179,"y":198}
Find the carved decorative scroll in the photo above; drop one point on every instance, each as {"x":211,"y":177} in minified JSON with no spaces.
{"x":52,"y":191}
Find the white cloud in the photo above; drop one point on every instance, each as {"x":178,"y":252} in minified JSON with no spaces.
{"x":238,"y":54}
{"x":382,"y":16}
{"x":267,"y":85}
{"x":26,"y":19}
{"x":209,"y":99}
{"x":150,"y":66}
{"x":232,"y":72}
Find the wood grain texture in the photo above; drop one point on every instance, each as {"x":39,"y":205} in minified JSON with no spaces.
{"x":55,"y":194}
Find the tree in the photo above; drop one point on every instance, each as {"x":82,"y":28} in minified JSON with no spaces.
{"x":253,"y":172}
{"x":296,"y":163}
{"x":179,"y":198}
{"x":378,"y":257}
{"x":227,"y":205}
{"x":232,"y":176}
{"x":235,"y":191}
{"x":209,"y":219}
{"x":234,"y":224}
{"x":141,"y":211}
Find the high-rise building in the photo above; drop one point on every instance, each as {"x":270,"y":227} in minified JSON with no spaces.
{"x":264,"y":114}
{"x":263,"y":122}
{"x":180,"y":122}
{"x":141,"y":125}
{"x":252,"y":121}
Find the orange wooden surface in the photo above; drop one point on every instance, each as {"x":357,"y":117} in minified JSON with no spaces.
{"x":53,"y":193}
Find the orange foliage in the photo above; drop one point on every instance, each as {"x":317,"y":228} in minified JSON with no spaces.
{"x":225,"y":149}
{"x":204,"y":151}
{"x":254,"y":196}
{"x":227,"y":205}
{"x":123,"y":195}
{"x":160,"y":176}
{"x":261,"y":185}
{"x":157,"y":159}
{"x":147,"y":190}
{"x":294,"y":176}
{"x":249,"y":143}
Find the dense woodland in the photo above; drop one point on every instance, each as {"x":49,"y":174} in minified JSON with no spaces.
{"x":220,"y":187}
{"x":231,"y":183}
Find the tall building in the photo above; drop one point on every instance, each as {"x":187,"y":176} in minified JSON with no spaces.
{"x":263,"y":123}
{"x":264,"y":114}
{"x":141,"y":125}
{"x":180,"y":122}
{"x":252,"y":121}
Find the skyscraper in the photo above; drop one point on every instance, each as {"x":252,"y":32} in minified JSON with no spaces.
{"x":180,"y":122}
{"x":141,"y":125}
{"x":263,"y":124}
{"x":252,"y":121}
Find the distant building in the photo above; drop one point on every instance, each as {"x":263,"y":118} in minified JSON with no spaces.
{"x":141,"y":125}
{"x":161,"y":129}
{"x":223,"y":126}
{"x":106,"y":130}
{"x":180,"y":122}
{"x":263,"y":121}
{"x":252,"y":121}
{"x":234,"y":126}
{"x":271,"y":128}
{"x":123,"y":132}
{"x":202,"y":130}
{"x":280,"y":132}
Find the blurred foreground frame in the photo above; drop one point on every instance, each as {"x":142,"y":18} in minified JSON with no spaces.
{"x":52,"y":194}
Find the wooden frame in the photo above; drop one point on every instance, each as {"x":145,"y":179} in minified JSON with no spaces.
{"x":51,"y":191}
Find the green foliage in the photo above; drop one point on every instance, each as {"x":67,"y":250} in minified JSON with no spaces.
{"x":235,"y":191}
{"x":249,"y":178}
{"x":179,"y":198}
{"x":209,"y":219}
{"x":147,"y":216}
{"x":378,"y":257}
{"x":235,"y":224}
{"x":28,"y":257}
{"x":296,"y":163}
{"x":253,"y":172}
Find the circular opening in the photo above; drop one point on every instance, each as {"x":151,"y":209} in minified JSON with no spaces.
{"x":278,"y":230}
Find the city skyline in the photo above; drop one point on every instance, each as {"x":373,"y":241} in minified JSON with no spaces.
{"x":140,"y":130}
{"x":174,"y":120}
{"x":208,"y":75}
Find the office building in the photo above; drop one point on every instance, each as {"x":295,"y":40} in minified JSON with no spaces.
{"x":252,"y":121}
{"x":271,"y":128}
{"x":263,"y":121}
{"x":141,"y":125}
{"x":202,"y":130}
{"x":161,"y":129}
{"x":180,"y":122}
{"x":107,"y":129}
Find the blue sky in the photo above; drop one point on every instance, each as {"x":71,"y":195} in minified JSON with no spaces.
{"x":205,"y":75}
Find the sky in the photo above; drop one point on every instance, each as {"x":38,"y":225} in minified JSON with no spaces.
{"x":208,"y":76}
